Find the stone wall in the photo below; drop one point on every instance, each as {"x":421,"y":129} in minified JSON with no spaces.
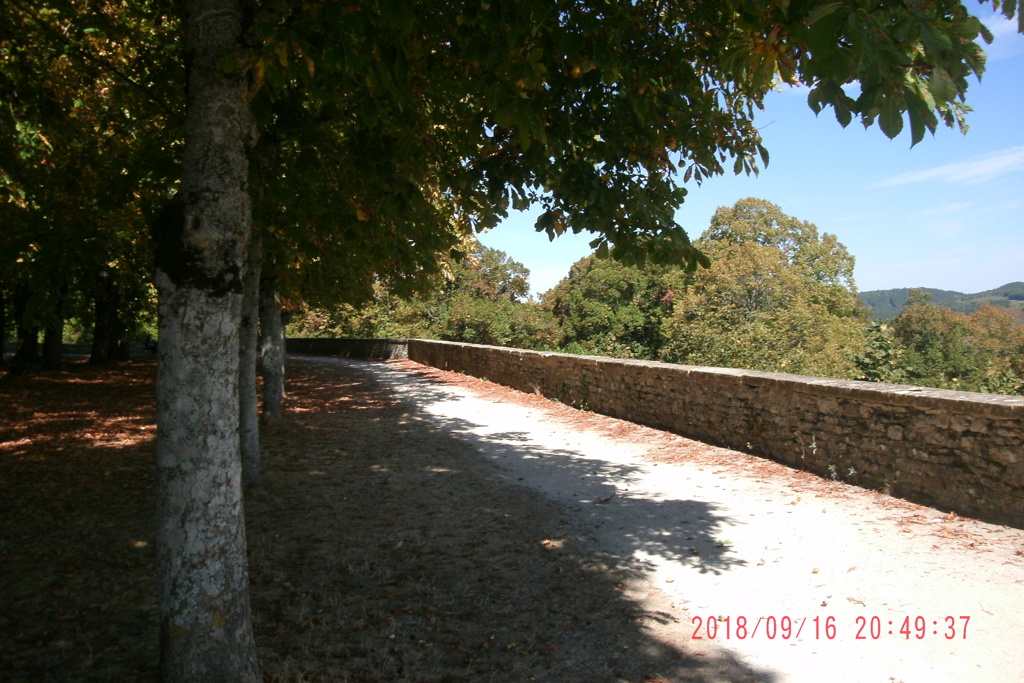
{"x":952,"y":450}
{"x":348,"y":347}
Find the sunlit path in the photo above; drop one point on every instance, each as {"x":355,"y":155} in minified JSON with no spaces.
{"x":807,"y":580}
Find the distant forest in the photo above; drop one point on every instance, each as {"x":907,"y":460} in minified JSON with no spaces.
{"x":886,"y":304}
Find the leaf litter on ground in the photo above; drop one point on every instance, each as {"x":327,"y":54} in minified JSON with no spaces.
{"x":381,"y":548}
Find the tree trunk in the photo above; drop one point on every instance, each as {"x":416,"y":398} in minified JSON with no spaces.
{"x":272,"y":327}
{"x":200,"y":239}
{"x":101,"y":329}
{"x":109,"y":329}
{"x":53,"y":337}
{"x":249,"y":417}
{"x":26,"y":352}
{"x":53,"y":344}
{"x":3,"y":329}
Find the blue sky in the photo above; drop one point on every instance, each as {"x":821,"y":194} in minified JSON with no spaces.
{"x":948,"y":213}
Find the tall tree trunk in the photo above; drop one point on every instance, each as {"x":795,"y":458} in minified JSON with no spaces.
{"x":249,"y":417}
{"x":109,"y":329}
{"x":53,"y":344}
{"x":27,"y":351}
{"x":53,"y":337}
{"x":101,"y":329}
{"x":3,"y":328}
{"x":201,"y":238}
{"x":272,"y":328}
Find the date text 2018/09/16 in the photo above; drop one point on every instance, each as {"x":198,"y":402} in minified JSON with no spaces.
{"x":818,"y":628}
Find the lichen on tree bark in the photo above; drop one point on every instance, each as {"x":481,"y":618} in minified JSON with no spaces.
{"x":205,"y":620}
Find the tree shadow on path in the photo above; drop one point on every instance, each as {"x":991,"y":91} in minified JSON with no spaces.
{"x":600,"y":489}
{"x":420,"y":562}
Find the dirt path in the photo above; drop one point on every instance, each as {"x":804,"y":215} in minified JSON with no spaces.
{"x":833,"y":572}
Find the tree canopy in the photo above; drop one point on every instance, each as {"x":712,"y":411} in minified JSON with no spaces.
{"x":778,"y":296}
{"x":87,"y":109}
{"x":597,"y":111}
{"x":479,"y":299}
{"x":606,"y":308}
{"x":982,"y":351}
{"x":402,"y":126}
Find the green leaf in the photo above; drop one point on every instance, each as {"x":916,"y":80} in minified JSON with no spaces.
{"x":890,"y":118}
{"x":843,"y":114}
{"x":942,"y":85}
{"x":936,"y":41}
{"x":823,"y":11}
{"x":814,"y":99}
{"x":917,"y":128}
{"x":504,"y":117}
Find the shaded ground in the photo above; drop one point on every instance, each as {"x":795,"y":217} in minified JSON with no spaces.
{"x":382,"y":549}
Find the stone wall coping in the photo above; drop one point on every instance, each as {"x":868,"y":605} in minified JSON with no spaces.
{"x":925,"y":398}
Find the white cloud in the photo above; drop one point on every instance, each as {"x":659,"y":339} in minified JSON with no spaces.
{"x":979,"y":169}
{"x":943,"y":211}
{"x":999,"y":25}
{"x":1008,"y":42}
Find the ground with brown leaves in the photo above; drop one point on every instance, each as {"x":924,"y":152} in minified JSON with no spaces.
{"x":381,"y":548}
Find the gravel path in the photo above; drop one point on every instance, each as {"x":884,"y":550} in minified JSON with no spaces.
{"x":805,"y":579}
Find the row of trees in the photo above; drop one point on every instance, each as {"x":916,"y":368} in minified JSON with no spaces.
{"x":313,"y":149}
{"x":482,"y":299}
{"x":82,"y":163}
{"x":779,"y":296}
{"x":933,"y":346}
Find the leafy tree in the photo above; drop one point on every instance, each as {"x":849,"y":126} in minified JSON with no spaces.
{"x":386,"y":315}
{"x":607,"y":308}
{"x":881,"y":359}
{"x":481,"y":303}
{"x":999,"y":334}
{"x":84,"y":156}
{"x":478,"y":300}
{"x":491,"y":275}
{"x":778,"y":297}
{"x":499,"y":322}
{"x":983,"y":351}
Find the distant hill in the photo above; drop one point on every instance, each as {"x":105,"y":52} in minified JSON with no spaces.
{"x":886,"y":304}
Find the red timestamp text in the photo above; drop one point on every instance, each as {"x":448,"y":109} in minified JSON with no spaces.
{"x":827,"y":628}
{"x":919,"y":627}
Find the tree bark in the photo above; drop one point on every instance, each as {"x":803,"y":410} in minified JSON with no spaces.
{"x":101,"y":328}
{"x":53,"y":345}
{"x":26,"y":352}
{"x":3,"y":328}
{"x":53,"y":336}
{"x":109,"y":329}
{"x":200,"y":239}
{"x":272,"y":327}
{"x":249,"y":417}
